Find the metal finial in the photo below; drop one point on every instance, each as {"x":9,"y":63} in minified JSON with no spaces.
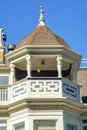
{"x":41,"y":20}
{"x":1,"y":37}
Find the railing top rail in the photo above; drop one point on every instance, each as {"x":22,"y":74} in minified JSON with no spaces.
{"x":35,"y":78}
{"x":4,"y":86}
{"x":83,"y":63}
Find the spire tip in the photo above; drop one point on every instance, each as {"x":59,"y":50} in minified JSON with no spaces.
{"x":41,"y":19}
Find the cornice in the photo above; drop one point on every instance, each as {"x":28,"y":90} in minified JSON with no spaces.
{"x":60,"y":103}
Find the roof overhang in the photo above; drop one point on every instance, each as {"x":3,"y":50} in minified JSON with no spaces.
{"x":43,"y":50}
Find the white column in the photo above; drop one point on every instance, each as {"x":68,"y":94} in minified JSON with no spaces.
{"x":59,"y":66}
{"x":75,"y":73}
{"x":28,"y":59}
{"x":12,"y":73}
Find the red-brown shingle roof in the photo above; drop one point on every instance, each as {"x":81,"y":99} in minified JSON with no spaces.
{"x":42,"y":36}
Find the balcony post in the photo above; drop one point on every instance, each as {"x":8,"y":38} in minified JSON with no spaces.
{"x":75,"y":73}
{"x":12,"y":73}
{"x":28,"y":59}
{"x":59,"y":66}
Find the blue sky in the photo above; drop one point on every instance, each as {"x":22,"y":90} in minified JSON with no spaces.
{"x":66,"y":18}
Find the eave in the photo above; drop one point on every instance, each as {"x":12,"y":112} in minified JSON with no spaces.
{"x":47,"y":50}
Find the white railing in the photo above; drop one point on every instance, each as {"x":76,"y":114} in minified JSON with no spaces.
{"x":71,"y":90}
{"x":3,"y":94}
{"x":36,"y":89}
{"x":41,"y":88}
{"x":45,"y":88}
{"x":19,"y":91}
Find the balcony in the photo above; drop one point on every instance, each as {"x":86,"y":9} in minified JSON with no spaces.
{"x":40,"y":88}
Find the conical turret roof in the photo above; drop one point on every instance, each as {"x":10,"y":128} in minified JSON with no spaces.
{"x":42,"y":36}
